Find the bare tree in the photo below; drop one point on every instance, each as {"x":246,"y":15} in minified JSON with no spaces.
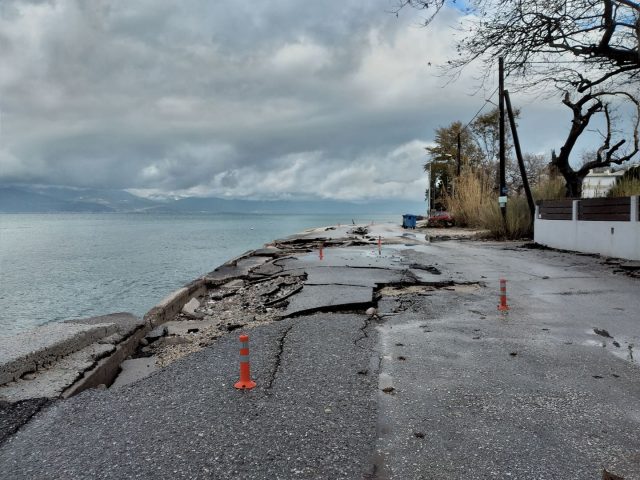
{"x":610,"y":151}
{"x":536,"y":167}
{"x":587,"y":49}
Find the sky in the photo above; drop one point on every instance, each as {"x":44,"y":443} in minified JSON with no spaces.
{"x":278,"y":99}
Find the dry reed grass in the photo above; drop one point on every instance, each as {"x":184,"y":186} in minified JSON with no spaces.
{"x":626,"y":187}
{"x":471,"y":194}
{"x":550,"y":189}
{"x":474,"y":204}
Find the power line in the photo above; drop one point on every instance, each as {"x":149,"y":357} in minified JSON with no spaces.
{"x":548,"y":62}
{"x":488,"y":100}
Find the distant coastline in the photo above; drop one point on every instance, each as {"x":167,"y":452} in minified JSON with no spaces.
{"x":34,"y":199}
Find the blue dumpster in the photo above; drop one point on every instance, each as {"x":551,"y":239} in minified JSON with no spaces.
{"x":409,"y":221}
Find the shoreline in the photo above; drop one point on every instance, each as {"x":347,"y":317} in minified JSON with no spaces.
{"x":125,"y":263}
{"x":102,"y":348}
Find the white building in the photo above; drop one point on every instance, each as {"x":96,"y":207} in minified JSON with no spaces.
{"x":598,"y":182}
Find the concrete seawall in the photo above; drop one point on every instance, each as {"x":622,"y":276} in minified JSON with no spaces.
{"x":63,"y":359}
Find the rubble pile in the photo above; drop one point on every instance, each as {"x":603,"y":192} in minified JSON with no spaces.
{"x":239,"y":303}
{"x":628,"y":267}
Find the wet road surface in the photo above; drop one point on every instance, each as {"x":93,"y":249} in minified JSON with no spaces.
{"x":438,"y":385}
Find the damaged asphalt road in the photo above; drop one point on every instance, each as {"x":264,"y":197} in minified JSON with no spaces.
{"x":438,"y":384}
{"x":309,"y":417}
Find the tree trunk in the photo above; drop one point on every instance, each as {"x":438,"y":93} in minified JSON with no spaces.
{"x":574,"y":186}
{"x":573,"y":182}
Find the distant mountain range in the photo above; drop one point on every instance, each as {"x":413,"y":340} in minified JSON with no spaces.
{"x":43,"y":199}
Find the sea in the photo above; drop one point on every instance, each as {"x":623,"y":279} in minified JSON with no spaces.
{"x":55,"y":267}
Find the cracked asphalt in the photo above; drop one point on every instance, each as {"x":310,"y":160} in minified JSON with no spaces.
{"x":438,"y":385}
{"x":309,"y":417}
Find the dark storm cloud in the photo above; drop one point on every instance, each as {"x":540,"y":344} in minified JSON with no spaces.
{"x":251,"y":99}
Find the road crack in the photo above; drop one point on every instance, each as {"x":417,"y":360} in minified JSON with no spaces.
{"x":363,"y":330}
{"x":276,"y":367}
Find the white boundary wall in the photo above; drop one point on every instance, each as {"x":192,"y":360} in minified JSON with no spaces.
{"x":612,"y":239}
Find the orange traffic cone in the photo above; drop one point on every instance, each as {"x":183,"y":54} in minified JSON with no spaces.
{"x":503,"y":307}
{"x":245,"y":381}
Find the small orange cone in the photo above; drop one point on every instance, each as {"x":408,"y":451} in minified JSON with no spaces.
{"x":245,"y":381}
{"x":503,"y":307}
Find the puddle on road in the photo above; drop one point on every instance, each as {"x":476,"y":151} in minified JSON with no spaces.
{"x":623,"y":350}
{"x":351,"y":254}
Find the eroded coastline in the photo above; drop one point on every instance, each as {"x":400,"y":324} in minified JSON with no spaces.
{"x":110,"y":351}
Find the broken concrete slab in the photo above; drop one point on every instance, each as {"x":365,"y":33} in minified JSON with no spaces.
{"x":423,"y":276}
{"x":106,"y":369}
{"x":52,"y":381}
{"x":173,"y":297}
{"x":125,"y":322}
{"x":267,"y":269}
{"x":156,"y":333}
{"x":34,"y":349}
{"x":173,"y":303}
{"x":268,"y":251}
{"x":135,"y":369}
{"x":112,"y":339}
{"x":235,"y":268}
{"x":220,"y":294}
{"x":365,"y":277}
{"x":315,"y":298}
{"x":233,"y":285}
{"x":191,"y":306}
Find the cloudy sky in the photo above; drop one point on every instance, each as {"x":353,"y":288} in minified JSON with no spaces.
{"x":268,"y":99}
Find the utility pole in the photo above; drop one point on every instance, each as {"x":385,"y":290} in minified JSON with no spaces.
{"x":459,"y":156}
{"x":429,"y":181}
{"x":429,"y":192}
{"x":516,"y":144}
{"x":503,"y":180}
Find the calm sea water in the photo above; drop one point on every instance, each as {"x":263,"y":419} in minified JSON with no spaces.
{"x":60,"y":266}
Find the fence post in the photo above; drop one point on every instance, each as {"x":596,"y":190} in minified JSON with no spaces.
{"x":574,"y":210}
{"x":635,"y":206}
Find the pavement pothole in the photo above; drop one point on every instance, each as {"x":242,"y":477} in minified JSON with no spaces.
{"x":602,"y":332}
